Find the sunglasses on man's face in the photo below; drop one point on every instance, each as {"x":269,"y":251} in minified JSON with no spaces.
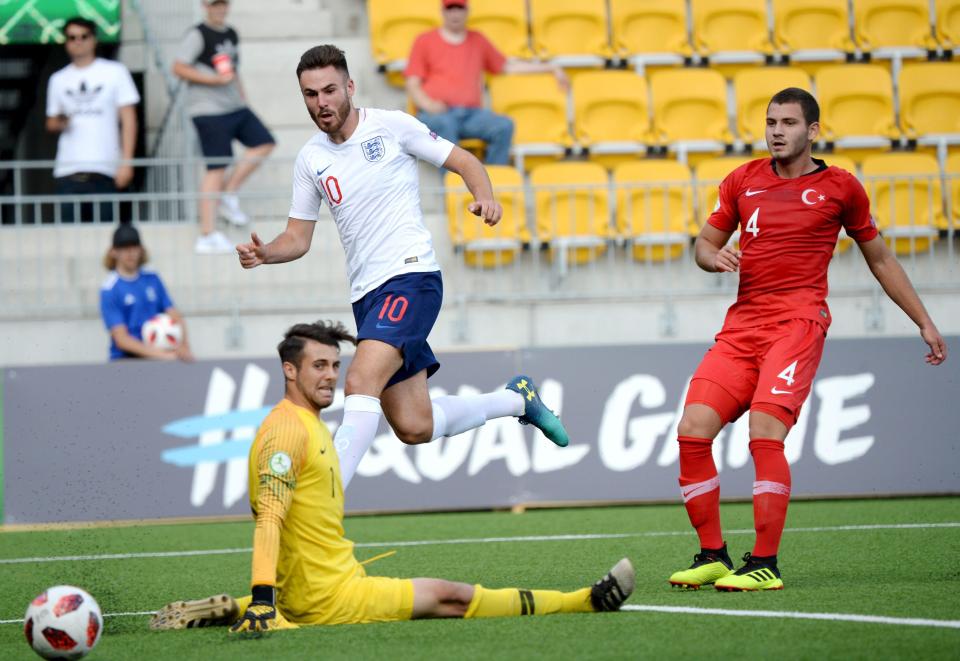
{"x":79,"y":37}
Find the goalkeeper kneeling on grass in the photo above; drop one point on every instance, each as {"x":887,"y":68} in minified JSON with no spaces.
{"x":304,"y":570}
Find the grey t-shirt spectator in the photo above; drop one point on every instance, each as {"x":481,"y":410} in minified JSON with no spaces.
{"x":201,"y":44}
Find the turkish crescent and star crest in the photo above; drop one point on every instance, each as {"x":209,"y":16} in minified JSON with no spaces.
{"x":373,"y":149}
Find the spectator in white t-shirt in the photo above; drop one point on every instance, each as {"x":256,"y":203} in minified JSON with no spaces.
{"x":91,"y":103}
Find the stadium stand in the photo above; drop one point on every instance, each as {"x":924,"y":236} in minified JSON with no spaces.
{"x":752,"y":89}
{"x":482,"y":245}
{"x":812,"y":31}
{"x":709,"y":173}
{"x":650,"y":32}
{"x":572,"y":33}
{"x":856,"y":107}
{"x":393,"y":28}
{"x":610,"y":115}
{"x":906,"y":200}
{"x":505,"y":23}
{"x":893,"y":26}
{"x":539,"y":111}
{"x":952,"y":177}
{"x":948,"y":25}
{"x":572,"y":210}
{"x":690,"y":110}
{"x":654,"y":209}
{"x":731,"y":32}
{"x":930,"y":101}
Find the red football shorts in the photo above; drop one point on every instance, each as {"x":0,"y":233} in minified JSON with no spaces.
{"x":766,"y":368}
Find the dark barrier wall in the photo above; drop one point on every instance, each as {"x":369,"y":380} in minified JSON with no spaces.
{"x":142,"y":439}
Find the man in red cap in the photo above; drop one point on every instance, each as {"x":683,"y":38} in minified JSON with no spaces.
{"x":445,"y":82}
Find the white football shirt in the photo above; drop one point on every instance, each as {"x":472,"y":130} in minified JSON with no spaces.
{"x":371,"y":185}
{"x":91,"y":97}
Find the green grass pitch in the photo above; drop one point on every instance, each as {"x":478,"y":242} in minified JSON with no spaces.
{"x":890,"y":558}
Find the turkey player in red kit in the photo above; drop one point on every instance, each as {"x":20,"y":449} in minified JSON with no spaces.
{"x":789,"y":210}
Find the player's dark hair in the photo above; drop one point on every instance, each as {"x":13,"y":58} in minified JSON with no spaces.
{"x":323,"y":56}
{"x":808,"y":104}
{"x":325,"y":332}
{"x":84,"y":23}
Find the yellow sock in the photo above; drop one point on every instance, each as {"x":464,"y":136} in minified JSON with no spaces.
{"x":513,"y":601}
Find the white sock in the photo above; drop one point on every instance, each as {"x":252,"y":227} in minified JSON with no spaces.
{"x":361,"y":416}
{"x":454,"y":415}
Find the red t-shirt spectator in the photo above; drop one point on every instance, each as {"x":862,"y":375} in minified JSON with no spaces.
{"x":453,"y":73}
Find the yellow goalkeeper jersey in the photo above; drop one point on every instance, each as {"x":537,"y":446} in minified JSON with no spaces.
{"x":297,"y":500}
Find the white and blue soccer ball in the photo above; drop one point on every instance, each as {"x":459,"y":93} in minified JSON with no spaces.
{"x":63,"y":622}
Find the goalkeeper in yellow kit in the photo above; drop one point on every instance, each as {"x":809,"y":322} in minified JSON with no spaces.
{"x":304,"y":570}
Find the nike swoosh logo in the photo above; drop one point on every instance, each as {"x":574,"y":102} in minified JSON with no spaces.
{"x":320,"y":172}
{"x":754,"y":192}
{"x":775,"y":391}
{"x":382,"y":326}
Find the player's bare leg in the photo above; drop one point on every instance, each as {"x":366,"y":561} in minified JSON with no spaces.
{"x":700,"y":486}
{"x":408,"y":409}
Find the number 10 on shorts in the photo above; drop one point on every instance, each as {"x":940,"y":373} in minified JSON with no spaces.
{"x":394,"y":308}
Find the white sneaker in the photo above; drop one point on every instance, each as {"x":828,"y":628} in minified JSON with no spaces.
{"x":231,"y":212}
{"x":214,"y":243}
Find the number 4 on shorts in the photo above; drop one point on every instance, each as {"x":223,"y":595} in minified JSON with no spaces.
{"x":787,"y":374}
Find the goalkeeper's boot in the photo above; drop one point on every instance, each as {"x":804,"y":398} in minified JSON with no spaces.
{"x":708,"y":566}
{"x":535,"y":411}
{"x":609,"y":593}
{"x":756,"y":574}
{"x":219,"y":610}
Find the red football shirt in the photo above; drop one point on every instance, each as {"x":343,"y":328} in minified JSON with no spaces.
{"x":788,"y":231}
{"x":453,"y":73}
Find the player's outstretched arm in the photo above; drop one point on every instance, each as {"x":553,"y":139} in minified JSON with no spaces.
{"x":712,"y":252}
{"x":478,"y":182}
{"x":894,"y":280}
{"x":292,"y":243}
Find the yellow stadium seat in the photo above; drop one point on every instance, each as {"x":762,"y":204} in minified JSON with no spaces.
{"x":729,"y":31}
{"x":930,"y":99}
{"x":538,"y":108}
{"x":503,"y":22}
{"x":948,"y":24}
{"x":709,"y":175}
{"x":482,"y":245}
{"x":753,"y":89}
{"x":393,"y":28}
{"x":610,"y":114}
{"x":690,"y":109}
{"x":654,"y":207}
{"x":903,"y":25}
{"x":905,"y":199}
{"x":856,"y":106}
{"x":572,"y":32}
{"x":953,"y":182}
{"x":650,"y":32}
{"x":812,"y":30}
{"x":572,"y":210}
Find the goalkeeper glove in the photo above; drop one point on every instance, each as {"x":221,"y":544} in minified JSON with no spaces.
{"x":262,"y":614}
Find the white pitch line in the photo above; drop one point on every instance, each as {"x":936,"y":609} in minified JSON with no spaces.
{"x":797,"y":615}
{"x":478,"y":540}
{"x":724,"y":612}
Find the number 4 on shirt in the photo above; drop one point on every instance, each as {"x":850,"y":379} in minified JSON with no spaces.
{"x":753,"y":225}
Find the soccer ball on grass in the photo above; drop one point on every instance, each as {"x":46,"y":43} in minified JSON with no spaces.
{"x":63,"y":622}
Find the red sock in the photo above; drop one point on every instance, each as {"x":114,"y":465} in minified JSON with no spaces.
{"x":700,"y":487}
{"x":771,"y":494}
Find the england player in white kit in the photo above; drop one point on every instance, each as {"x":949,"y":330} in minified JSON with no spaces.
{"x":363,"y":166}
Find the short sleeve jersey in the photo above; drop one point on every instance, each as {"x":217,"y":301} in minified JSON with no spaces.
{"x":453,"y":73}
{"x":91,"y":97}
{"x":201,"y":45}
{"x":294,"y":477}
{"x":131,"y":303}
{"x":371,"y":184}
{"x":788,"y":232}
